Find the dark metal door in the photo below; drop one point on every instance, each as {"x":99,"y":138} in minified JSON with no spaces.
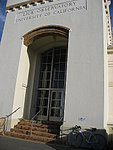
{"x":51,"y":89}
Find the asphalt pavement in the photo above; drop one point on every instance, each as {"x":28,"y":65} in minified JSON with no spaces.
{"x":9,"y":143}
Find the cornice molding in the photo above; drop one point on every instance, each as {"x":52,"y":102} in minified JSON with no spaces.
{"x":33,"y":2}
{"x":108,"y":20}
{"x":27,"y":3}
{"x":110,"y":49}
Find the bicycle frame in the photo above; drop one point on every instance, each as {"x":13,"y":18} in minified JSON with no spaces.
{"x":79,"y":136}
{"x":88,"y":139}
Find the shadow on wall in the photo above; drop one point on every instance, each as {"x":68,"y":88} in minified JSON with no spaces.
{"x":29,"y":109}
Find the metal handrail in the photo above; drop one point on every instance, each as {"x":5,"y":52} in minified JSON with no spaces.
{"x":35,"y":115}
{"x":32,"y":121}
{"x":12,"y":112}
{"x":7,"y":116}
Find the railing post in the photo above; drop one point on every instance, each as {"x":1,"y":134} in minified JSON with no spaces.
{"x":32,"y":121}
{"x":41,"y":119}
{"x":31,"y":128}
{"x":6,"y":124}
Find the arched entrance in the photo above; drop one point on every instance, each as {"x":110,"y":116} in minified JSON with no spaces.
{"x":47,"y":52}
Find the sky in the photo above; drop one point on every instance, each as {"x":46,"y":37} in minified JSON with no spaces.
{"x":111,"y":11}
{"x":3,"y":15}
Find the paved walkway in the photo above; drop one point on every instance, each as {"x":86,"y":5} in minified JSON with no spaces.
{"x":9,"y":143}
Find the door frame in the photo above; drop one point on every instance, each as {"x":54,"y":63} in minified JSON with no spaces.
{"x":29,"y":40}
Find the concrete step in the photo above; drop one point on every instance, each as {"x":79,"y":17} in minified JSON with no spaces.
{"x":34,"y":133}
{"x":35,"y":128}
{"x":39,"y":124}
{"x":46,"y":133}
{"x":35,"y":138}
{"x":52,"y":127}
{"x":23,"y":127}
{"x":1,"y":133}
{"x":34,"y":124}
{"x":26,"y":120}
{"x":42,"y":122}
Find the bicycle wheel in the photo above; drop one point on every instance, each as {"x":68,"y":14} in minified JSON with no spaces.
{"x":98,"y":142}
{"x":78,"y":139}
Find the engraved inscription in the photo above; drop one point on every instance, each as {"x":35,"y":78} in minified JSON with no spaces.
{"x":55,"y":9}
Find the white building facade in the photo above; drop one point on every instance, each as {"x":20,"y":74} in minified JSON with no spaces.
{"x":53,"y":59}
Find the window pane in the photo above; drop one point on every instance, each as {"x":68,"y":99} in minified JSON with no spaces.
{"x":43,"y":94}
{"x":56,"y":67}
{"x":55,"y":112}
{"x":46,"y":94}
{"x":43,"y":102}
{"x":48,"y":67}
{"x":55,"y":103}
{"x":62,"y":58}
{"x":43,"y":111}
{"x":56,"y":75}
{"x":44,"y":84}
{"x":56,"y":58}
{"x":61,"y":75}
{"x":44,"y":60}
{"x":49,"y":59}
{"x":61,"y":84}
{"x":48,"y":76}
{"x":62,"y":67}
{"x":54,"y":95}
{"x":55,"y":84}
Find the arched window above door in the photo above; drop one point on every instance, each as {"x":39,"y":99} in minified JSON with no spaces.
{"x":45,"y":31}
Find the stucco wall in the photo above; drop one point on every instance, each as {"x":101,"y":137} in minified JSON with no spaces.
{"x":84,"y":102}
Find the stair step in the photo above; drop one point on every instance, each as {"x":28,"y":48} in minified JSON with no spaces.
{"x":29,"y":128}
{"x":40,"y":129}
{"x":34,"y":124}
{"x":1,"y":133}
{"x":34,"y":138}
{"x":25,"y":120}
{"x":41,"y":122}
{"x":37,"y":124}
{"x":45,"y":132}
{"x":36,"y":133}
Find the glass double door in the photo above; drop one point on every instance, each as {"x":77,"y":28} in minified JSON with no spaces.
{"x":51,"y":89}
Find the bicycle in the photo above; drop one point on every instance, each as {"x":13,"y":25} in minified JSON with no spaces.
{"x":96,"y":141}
